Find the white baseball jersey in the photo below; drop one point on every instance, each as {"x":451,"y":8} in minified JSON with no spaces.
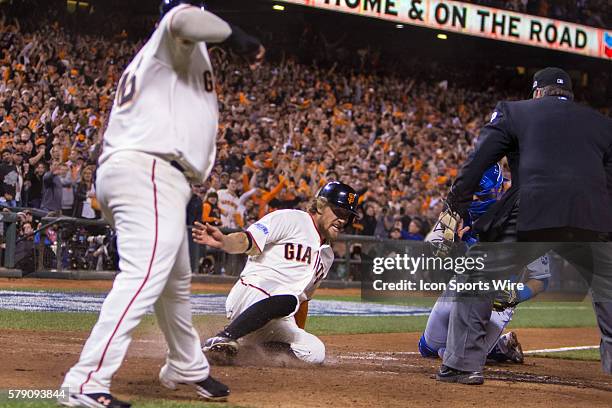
{"x":293,"y":260}
{"x":166,"y":104}
{"x":165,"y":109}
{"x":230,"y":204}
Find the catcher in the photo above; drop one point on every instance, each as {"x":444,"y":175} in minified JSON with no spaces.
{"x":289,"y":256}
{"x":504,"y":347}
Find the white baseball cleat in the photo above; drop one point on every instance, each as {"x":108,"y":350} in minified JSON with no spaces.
{"x":221,"y":344}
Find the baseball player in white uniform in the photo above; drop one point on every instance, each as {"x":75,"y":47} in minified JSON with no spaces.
{"x":161,"y":135}
{"x":289,"y":257}
{"x":229,"y":203}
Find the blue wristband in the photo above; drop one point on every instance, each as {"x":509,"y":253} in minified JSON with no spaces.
{"x":524,"y":294}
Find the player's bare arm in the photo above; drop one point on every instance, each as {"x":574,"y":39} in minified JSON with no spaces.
{"x":234,"y":243}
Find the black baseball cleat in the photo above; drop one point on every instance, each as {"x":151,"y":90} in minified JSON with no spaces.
{"x":221,"y":344}
{"x":447,"y":374}
{"x":212,"y":390}
{"x":95,"y":400}
{"x":209,"y":389}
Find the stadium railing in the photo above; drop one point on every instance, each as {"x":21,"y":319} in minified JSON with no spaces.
{"x":63,"y":244}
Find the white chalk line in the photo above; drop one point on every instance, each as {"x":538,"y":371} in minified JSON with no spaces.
{"x":389,"y":355}
{"x":561,"y":349}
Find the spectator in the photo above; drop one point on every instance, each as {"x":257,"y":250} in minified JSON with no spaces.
{"x":84,"y":193}
{"x":284,"y":130}
{"x":53,"y":188}
{"x":33,"y":186}
{"x":194,"y":207}
{"x":369,"y":221}
{"x":68,"y":185}
{"x":414,"y":231}
{"x":228,"y":204}
{"x":21,"y":168}
{"x":24,"y":249}
{"x":211,"y":213}
{"x":9,"y":179}
{"x":395,"y":233}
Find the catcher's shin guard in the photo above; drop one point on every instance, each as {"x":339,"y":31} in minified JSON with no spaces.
{"x":425,"y":350}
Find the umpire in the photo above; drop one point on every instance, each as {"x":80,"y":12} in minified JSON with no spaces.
{"x":562,"y":196}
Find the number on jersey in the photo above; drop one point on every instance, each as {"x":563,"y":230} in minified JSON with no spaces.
{"x":126,"y":89}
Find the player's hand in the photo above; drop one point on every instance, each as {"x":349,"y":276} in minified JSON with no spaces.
{"x":246,"y":45}
{"x":207,"y":235}
{"x":258,"y":58}
{"x":462,"y":230}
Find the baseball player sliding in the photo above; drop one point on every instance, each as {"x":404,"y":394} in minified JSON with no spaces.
{"x":161,"y":135}
{"x":290,"y":255}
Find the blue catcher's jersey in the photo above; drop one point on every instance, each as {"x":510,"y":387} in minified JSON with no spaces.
{"x":491,"y":188}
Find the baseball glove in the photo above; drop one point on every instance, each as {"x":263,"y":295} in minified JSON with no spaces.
{"x":505,"y":299}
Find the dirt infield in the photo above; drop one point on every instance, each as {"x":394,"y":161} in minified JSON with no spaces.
{"x":367,"y":370}
{"x":361,"y":371}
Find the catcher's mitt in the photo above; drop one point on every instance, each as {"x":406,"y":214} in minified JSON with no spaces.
{"x":505,"y":299}
{"x":442,"y":235}
{"x":509,"y":297}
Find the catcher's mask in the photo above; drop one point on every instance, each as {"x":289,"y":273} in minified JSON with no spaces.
{"x":491,"y":187}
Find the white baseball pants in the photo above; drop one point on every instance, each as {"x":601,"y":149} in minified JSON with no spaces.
{"x":307,"y":347}
{"x":145,"y":198}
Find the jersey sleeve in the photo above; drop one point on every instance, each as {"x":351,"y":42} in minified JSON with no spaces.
{"x":270,"y":229}
{"x":191,"y":24}
{"x":195,"y":24}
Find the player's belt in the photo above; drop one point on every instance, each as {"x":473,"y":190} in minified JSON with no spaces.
{"x":183,"y":168}
{"x":177,"y":166}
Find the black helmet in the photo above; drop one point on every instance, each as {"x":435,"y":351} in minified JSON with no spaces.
{"x":167,"y":5}
{"x":340,"y":195}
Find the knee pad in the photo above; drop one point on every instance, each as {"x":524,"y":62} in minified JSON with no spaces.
{"x":425,"y":350}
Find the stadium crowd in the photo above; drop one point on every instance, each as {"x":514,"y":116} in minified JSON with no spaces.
{"x":284,"y":130}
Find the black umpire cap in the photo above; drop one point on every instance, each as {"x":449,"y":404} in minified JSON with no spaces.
{"x":551,"y":76}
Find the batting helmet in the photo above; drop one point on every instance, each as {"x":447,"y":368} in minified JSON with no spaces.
{"x":340,"y":195}
{"x":167,"y":5}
